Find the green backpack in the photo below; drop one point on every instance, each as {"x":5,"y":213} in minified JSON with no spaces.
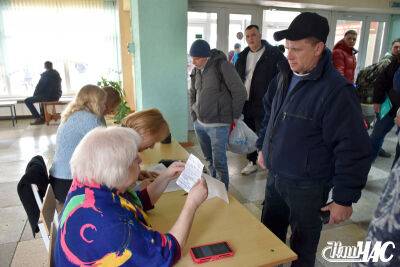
{"x":367,"y":77}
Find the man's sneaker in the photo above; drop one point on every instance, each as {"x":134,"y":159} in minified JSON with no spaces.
{"x":250,"y":168}
{"x":37,"y":122}
{"x":382,"y":153}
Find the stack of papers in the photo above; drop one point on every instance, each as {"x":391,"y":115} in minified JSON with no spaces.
{"x":190,"y":176}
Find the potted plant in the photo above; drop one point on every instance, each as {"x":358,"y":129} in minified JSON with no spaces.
{"x":123,"y":108}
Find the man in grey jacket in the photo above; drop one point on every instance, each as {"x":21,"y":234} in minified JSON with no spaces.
{"x":217,"y":96}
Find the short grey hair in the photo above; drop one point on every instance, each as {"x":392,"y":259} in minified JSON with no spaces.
{"x":104,"y":156}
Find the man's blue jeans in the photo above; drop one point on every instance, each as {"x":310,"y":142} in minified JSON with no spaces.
{"x":214,"y":142}
{"x":296,"y":203}
{"x":29,"y":104}
{"x":381,"y":128}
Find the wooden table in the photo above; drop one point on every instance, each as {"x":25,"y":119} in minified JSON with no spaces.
{"x":252,"y":242}
{"x":11,"y":105}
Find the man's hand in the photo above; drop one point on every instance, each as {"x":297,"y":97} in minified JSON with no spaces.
{"x":377,"y":108}
{"x":260,"y":160}
{"x":338,"y":212}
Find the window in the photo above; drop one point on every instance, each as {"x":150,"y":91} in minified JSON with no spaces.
{"x":201,"y":25}
{"x":238,"y":23}
{"x":342,"y":26}
{"x":276,"y":20}
{"x":375,"y":42}
{"x":80,"y":38}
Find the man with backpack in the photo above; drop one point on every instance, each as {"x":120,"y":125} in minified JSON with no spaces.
{"x":383,"y":88}
{"x":257,"y":66}
{"x":217,"y":97}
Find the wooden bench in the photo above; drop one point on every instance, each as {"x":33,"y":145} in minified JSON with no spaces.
{"x":50,"y":111}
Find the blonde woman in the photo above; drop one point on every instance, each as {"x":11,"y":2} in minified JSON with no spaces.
{"x":152,"y":127}
{"x":150,"y":124}
{"x":81,"y":115}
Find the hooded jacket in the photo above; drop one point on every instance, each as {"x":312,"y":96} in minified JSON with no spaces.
{"x":344,"y":60}
{"x":217,"y":94}
{"x":316,"y":133}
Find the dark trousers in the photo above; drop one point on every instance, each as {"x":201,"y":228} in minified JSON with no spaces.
{"x":381,"y":128}
{"x":29,"y":103}
{"x":254,"y":123}
{"x":60,"y":187}
{"x":296,"y":204}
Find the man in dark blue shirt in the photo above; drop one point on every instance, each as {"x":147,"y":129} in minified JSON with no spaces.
{"x":47,"y":89}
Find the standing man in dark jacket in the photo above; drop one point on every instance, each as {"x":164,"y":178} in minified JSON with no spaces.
{"x":383,"y":87}
{"x":217,"y":96}
{"x":313,"y":139}
{"x":257,"y":66}
{"x":47,"y":89}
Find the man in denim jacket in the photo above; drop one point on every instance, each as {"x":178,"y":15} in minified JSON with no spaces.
{"x":312,"y":140}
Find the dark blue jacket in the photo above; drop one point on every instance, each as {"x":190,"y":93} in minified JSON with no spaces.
{"x":316,"y":132}
{"x":49,"y":86}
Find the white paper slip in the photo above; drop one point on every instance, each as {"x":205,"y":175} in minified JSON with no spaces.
{"x":159,"y":168}
{"x":216,"y":188}
{"x":191,"y":174}
{"x":172,"y":186}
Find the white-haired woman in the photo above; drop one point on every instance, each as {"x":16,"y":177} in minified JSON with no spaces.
{"x":83,"y":114}
{"x":99,"y":226}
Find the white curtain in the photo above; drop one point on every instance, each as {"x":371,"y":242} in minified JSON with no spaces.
{"x":81,"y":38}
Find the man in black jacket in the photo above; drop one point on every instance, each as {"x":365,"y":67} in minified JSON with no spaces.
{"x":313,"y":139}
{"x":383,"y":87}
{"x":257,"y":66}
{"x":47,"y":89}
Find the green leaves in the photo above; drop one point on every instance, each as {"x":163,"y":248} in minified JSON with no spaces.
{"x":123,"y":109}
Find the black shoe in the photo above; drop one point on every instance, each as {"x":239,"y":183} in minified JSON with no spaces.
{"x":37,"y":122}
{"x":383,"y":154}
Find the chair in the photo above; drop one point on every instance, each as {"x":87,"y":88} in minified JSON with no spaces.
{"x":41,"y":226}
{"x":53,"y":237}
{"x":48,"y":214}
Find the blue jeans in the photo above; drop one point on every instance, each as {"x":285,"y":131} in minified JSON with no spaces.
{"x":381,"y":128}
{"x":29,"y":104}
{"x":298,"y":204}
{"x":214,"y":142}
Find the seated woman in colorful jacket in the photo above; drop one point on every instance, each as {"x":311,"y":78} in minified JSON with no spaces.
{"x":98,"y":226}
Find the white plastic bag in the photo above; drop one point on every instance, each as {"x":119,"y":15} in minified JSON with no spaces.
{"x":242,"y":140}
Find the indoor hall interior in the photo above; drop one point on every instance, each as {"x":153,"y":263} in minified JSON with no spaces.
{"x":145,"y":45}
{"x":18,"y":145}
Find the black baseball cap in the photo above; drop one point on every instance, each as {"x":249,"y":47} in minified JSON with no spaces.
{"x":305,"y":25}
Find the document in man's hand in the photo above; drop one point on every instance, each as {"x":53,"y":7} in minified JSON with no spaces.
{"x":191,"y":174}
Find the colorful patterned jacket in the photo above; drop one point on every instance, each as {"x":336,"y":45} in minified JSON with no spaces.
{"x":99,"y":227}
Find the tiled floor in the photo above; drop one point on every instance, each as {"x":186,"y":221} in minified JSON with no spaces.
{"x":19,"y":144}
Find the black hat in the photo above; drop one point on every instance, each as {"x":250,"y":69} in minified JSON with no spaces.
{"x":305,"y":25}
